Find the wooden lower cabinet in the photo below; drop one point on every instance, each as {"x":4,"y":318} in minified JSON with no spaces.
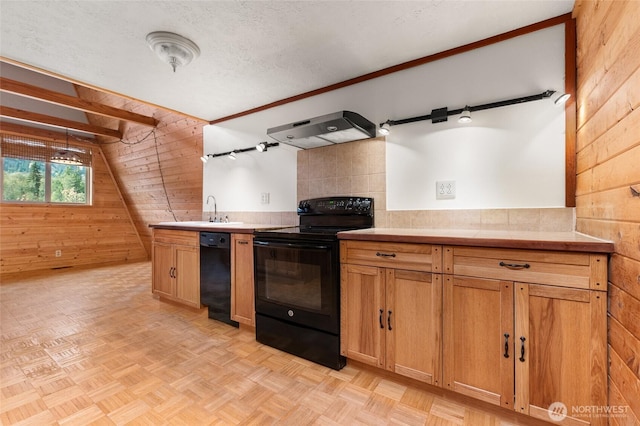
{"x":524,"y":345}
{"x":242,"y":284}
{"x":176,"y":266}
{"x":522,"y":329}
{"x":564,"y":352}
{"x":391,"y":319}
{"x":478,"y":332}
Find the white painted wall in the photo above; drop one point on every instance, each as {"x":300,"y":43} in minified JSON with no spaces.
{"x":508,"y":157}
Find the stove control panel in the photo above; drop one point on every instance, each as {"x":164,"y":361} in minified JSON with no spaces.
{"x":336,"y":206}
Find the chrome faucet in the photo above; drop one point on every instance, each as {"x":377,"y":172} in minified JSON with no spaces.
{"x":215,"y":208}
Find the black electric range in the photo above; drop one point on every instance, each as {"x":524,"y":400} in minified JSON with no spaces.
{"x":297,"y":278}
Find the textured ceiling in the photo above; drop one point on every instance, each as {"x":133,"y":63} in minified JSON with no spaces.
{"x":252,"y":52}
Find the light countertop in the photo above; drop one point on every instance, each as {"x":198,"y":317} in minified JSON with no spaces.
{"x":566,"y":241}
{"x":204,"y":226}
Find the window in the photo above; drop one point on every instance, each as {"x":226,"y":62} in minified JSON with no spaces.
{"x":29,"y":175}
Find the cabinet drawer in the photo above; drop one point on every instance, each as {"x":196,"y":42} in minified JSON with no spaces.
{"x":565,"y":269}
{"x":414,"y":257}
{"x":172,"y":236}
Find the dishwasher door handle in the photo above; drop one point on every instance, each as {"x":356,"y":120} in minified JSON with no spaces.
{"x":290,"y":245}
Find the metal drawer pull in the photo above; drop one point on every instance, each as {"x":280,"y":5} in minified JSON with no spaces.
{"x":522,"y":339}
{"x":380,"y":319}
{"x":515,"y":265}
{"x":506,"y":345}
{"x":385,"y":254}
{"x":389,"y":321}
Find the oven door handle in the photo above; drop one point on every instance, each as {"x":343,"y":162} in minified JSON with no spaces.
{"x":290,"y":245}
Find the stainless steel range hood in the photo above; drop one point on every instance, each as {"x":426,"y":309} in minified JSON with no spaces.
{"x":343,"y":126}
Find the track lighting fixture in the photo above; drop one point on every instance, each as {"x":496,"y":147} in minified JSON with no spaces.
{"x":562,"y":99}
{"x":465,"y":117}
{"x":440,"y":115}
{"x":261,"y":147}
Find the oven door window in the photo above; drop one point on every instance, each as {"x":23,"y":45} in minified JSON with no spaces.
{"x":297,"y":278}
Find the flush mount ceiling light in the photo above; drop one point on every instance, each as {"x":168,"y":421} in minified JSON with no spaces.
{"x":65,"y":156}
{"x":440,"y":115}
{"x":172,"y":48}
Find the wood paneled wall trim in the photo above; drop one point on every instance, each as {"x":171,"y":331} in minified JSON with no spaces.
{"x":608,"y":149}
{"x":406,"y":65}
{"x":158,"y":171}
{"x":89,"y":86}
{"x":57,"y":98}
{"x":100,"y":233}
{"x":43,"y":134}
{"x":570,"y":86}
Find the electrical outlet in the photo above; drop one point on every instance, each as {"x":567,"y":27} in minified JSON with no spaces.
{"x":264,"y":198}
{"x":58,"y":253}
{"x":445,"y":189}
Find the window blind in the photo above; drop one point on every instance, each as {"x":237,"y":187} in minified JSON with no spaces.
{"x":39,"y":150}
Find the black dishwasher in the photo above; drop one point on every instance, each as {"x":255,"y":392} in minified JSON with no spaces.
{"x":215,"y":275}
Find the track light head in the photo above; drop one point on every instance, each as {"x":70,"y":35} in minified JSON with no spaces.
{"x":204,"y":159}
{"x":232,"y":155}
{"x":562,"y":99}
{"x":385,"y":129}
{"x":261,"y":147}
{"x":465,"y":117}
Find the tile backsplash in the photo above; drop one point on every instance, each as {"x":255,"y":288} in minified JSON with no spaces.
{"x":359,"y":169}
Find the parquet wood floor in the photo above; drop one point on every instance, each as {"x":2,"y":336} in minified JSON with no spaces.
{"x":92,"y":346}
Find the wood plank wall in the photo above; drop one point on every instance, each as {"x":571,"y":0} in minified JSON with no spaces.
{"x":608,"y":164}
{"x":101,"y":233}
{"x":159,"y":173}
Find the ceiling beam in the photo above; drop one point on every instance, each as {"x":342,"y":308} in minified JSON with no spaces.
{"x":38,"y":93}
{"x":38,"y":133}
{"x":48,"y":120}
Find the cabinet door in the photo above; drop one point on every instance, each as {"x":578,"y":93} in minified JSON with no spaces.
{"x":414,"y":324}
{"x":163,"y":270}
{"x":187,"y":275}
{"x":362,"y":314}
{"x":242,"y":284}
{"x":564,"y":354}
{"x":478,"y":338}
